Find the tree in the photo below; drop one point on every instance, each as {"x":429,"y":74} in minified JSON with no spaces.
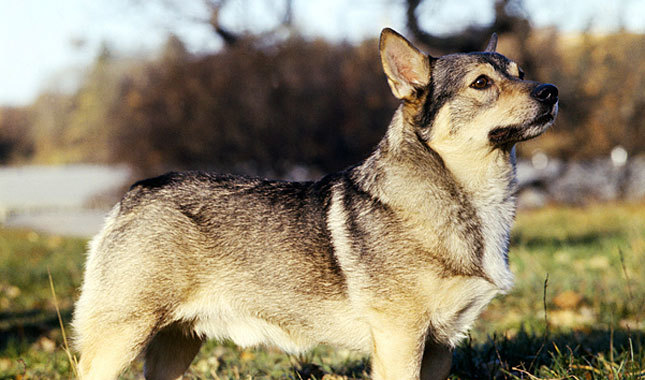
{"x":15,"y":140}
{"x":508,"y":19}
{"x":213,"y":17}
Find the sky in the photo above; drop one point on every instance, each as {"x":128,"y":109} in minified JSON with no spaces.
{"x":47,"y":43}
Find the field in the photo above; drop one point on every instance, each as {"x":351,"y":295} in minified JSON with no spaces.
{"x":577,"y":310}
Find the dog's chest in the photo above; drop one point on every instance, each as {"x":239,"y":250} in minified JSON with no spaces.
{"x":454,"y":304}
{"x":496,"y":218}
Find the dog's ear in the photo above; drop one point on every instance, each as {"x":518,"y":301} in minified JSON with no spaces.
{"x":492,"y":44}
{"x":405,"y":66}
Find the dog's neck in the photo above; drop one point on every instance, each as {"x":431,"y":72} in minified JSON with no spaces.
{"x":487,"y":176}
{"x":435,"y":188}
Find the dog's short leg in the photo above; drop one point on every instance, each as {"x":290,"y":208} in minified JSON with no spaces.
{"x":170,"y":353}
{"x":437,"y":359}
{"x":107,"y":349}
{"x":396,"y":353}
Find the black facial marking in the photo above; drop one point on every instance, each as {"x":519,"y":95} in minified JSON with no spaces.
{"x":504,"y":135}
{"x":431,"y":106}
{"x":501,"y":135}
{"x":441,"y":89}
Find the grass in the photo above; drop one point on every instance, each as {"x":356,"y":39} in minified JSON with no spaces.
{"x":594,"y":327}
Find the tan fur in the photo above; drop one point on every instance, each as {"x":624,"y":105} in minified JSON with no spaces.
{"x":396,"y":256}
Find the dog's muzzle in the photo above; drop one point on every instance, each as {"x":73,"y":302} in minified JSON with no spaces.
{"x":547,"y":96}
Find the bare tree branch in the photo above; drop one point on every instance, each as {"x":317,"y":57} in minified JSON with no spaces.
{"x":229,"y":37}
{"x":472,"y":38}
{"x":287,"y":19}
{"x":214,"y":7}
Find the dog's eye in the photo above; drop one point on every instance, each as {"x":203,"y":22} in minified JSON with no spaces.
{"x":481,"y":82}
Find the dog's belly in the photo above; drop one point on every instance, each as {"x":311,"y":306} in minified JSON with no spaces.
{"x":332,"y":323}
{"x":247,"y":331}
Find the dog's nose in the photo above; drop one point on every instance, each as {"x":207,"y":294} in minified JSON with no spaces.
{"x":546,"y":93}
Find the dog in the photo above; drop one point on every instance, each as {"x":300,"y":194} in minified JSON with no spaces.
{"x":395,"y":256}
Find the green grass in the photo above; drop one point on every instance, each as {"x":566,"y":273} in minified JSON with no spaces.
{"x":594,"y":300}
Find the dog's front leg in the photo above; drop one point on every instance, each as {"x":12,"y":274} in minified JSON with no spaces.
{"x":397,"y":352}
{"x":437,"y":359}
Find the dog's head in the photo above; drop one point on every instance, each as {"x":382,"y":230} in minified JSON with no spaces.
{"x":466,"y":101}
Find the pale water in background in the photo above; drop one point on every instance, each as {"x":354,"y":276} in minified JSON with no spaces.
{"x":69,"y":200}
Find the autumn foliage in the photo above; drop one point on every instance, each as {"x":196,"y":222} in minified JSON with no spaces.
{"x":265,"y":107}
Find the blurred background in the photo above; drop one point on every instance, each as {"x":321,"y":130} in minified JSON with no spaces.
{"x":94,"y":94}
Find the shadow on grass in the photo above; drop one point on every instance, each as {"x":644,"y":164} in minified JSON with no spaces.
{"x":18,"y":330}
{"x":589,"y":354}
{"x":586,"y":239}
{"x":354,"y":369}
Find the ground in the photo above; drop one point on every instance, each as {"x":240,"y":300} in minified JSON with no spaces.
{"x":577,"y":310}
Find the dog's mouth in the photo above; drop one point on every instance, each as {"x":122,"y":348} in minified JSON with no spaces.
{"x":511,"y":134}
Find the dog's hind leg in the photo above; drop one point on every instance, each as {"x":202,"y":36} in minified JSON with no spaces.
{"x":108,"y":347}
{"x":170,"y":352}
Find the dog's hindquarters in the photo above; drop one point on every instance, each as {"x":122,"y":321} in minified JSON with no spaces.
{"x":121,"y":310}
{"x":165,"y":273}
{"x":107,"y":340}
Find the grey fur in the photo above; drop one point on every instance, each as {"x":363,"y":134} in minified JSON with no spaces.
{"x":395,"y":256}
